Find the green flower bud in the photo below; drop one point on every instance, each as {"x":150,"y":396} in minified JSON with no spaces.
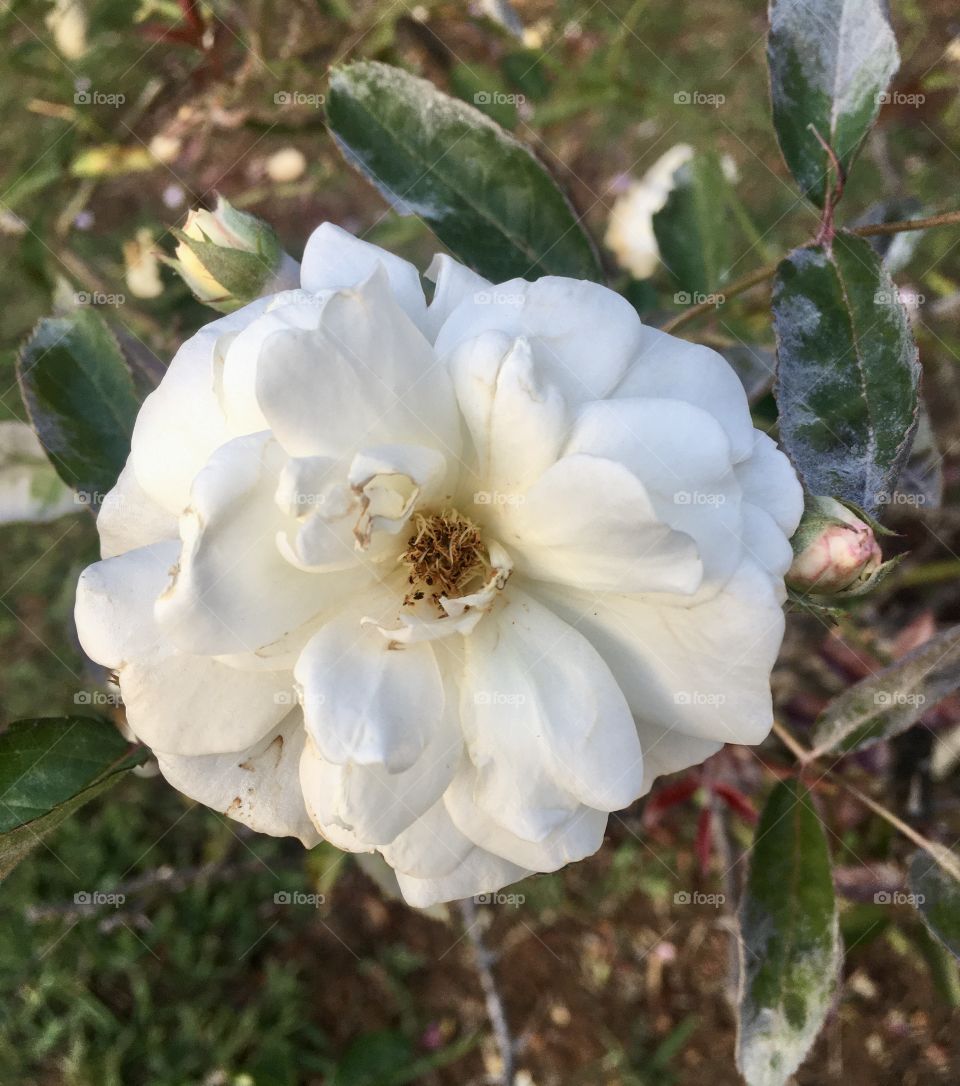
{"x":229,"y":257}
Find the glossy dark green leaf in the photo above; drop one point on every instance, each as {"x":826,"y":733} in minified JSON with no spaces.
{"x":80,"y":398}
{"x":790,"y":942}
{"x":887,"y":703}
{"x":49,"y":768}
{"x":831,"y":62}
{"x":847,"y":373}
{"x":937,"y":896}
{"x":480,"y":189}
{"x":692,"y":229}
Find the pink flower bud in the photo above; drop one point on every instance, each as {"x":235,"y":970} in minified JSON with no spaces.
{"x":834,"y":550}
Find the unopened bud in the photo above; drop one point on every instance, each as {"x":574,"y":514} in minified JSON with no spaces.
{"x":229,"y":257}
{"x":834,"y":551}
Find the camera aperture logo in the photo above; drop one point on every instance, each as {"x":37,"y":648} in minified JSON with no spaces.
{"x":94,"y":899}
{"x":498,"y":697}
{"x":298,"y":98}
{"x":498,"y":98}
{"x":299,"y":897}
{"x":898,"y":897}
{"x":887,"y":699}
{"x":698,"y":98}
{"x":696,"y":897}
{"x":99,"y":297}
{"x":97,"y":697}
{"x":697,"y":297}
{"x":514,"y":901}
{"x":89,"y":96}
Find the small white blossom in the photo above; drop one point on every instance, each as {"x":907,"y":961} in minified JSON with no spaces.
{"x":630,"y":235}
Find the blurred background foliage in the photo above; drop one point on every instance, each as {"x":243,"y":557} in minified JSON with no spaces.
{"x":202,"y":976}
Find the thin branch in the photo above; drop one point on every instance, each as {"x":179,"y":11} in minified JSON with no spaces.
{"x":737,"y":287}
{"x":484,"y":959}
{"x":941,"y":855}
{"x":948,"y":218}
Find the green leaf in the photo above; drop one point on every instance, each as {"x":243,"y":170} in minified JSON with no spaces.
{"x":937,"y":896}
{"x":790,"y":941}
{"x":480,"y":189}
{"x":831,"y":62}
{"x":847,"y":373}
{"x":485,"y":88}
{"x":692,"y":236}
{"x":80,"y":399}
{"x":49,"y":768}
{"x":887,"y":703}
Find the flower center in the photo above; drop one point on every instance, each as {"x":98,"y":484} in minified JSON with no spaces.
{"x":444,"y":555}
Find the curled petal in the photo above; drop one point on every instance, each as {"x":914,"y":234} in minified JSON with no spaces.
{"x":590,"y":522}
{"x":233,"y":592}
{"x":367,"y":700}
{"x":258,"y":786}
{"x":334,"y":259}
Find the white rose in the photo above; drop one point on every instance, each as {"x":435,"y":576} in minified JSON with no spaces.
{"x":630,"y":235}
{"x":448,"y":582}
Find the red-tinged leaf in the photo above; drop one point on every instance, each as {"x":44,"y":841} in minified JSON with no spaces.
{"x":669,"y":797}
{"x":737,"y":801}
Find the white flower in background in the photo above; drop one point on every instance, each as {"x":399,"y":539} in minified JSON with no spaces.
{"x":142,"y":266}
{"x":630,"y":235}
{"x":449,"y":582}
{"x":286,"y":165}
{"x":30,"y":489}
{"x":67,"y":22}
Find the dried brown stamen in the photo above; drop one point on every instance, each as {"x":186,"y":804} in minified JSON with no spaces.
{"x":445,"y":554}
